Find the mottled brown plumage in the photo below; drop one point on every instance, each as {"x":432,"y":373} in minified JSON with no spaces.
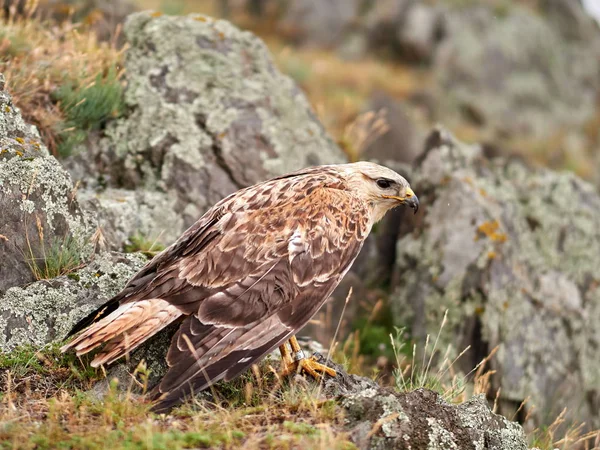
{"x":249,"y":274}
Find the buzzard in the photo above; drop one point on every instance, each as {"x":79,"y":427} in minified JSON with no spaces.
{"x":246,"y":276}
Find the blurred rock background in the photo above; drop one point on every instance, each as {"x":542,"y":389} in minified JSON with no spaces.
{"x":491,"y":109}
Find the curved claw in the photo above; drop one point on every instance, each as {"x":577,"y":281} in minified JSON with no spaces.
{"x":296,"y":362}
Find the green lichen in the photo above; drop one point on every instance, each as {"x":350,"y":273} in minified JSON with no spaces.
{"x":206,"y":98}
{"x":439,"y":438}
{"x":122,"y":213}
{"x":514,"y":250}
{"x":45,"y":311}
{"x":45,"y":177}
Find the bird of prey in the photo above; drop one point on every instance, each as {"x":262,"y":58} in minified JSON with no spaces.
{"x":246,"y":276}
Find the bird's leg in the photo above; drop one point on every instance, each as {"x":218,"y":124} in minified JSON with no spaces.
{"x":297,"y":361}
{"x":286,"y":359}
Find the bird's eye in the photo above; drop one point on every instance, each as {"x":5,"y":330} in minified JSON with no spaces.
{"x":384,"y":183}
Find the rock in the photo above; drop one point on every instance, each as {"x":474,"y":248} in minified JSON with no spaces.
{"x":322,"y":24}
{"x":122,"y":214}
{"x":404,"y":139}
{"x":208,"y":114}
{"x":404,"y":29}
{"x":46,"y":310}
{"x":572,"y":20}
{"x":514,"y":72}
{"x":380,"y":418}
{"x":40,"y":214}
{"x":512,"y":253}
{"x":401,"y":29}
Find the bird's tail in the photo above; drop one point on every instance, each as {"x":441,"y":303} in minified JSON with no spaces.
{"x":124,"y":329}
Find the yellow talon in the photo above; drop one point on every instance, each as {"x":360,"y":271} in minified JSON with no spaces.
{"x":295,"y":362}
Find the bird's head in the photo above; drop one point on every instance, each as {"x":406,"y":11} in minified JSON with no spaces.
{"x":382,"y":188}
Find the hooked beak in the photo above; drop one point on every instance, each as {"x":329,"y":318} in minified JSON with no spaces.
{"x":409,"y":199}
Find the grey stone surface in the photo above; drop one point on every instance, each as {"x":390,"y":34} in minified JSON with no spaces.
{"x":46,"y":310}
{"x":515,"y":72}
{"x":404,"y":139}
{"x":37,"y":200}
{"x":123,"y":213}
{"x":323,"y":24}
{"x":381,"y":418}
{"x":512,"y":253}
{"x":208,"y":114}
{"x":405,"y":29}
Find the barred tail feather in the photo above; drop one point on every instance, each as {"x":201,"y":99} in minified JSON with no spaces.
{"x":124,"y":329}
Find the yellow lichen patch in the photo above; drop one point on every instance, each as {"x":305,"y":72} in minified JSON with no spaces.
{"x":445,"y":180}
{"x":18,"y":153}
{"x":482,"y":192}
{"x":479,"y":310}
{"x":20,"y":140}
{"x":201,"y":19}
{"x":156,"y":14}
{"x":490,"y":229}
{"x":7,"y":109}
{"x":468,"y":180}
{"x":492,"y":255}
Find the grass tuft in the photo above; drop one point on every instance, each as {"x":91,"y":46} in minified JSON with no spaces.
{"x":87,"y":108}
{"x":60,"y":76}
{"x":59,"y":257}
{"x":140,"y":242}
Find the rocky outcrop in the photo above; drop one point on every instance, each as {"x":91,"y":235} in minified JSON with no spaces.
{"x":208,"y":114}
{"x":512,"y":254}
{"x":46,"y":310}
{"x":507,"y":71}
{"x":400,"y":29}
{"x":39,"y":212}
{"x":519,"y":73}
{"x":381,"y":418}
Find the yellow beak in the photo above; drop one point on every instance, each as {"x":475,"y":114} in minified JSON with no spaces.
{"x":409,"y":199}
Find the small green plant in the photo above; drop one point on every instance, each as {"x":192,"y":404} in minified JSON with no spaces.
{"x":46,"y":363}
{"x":422,"y":372}
{"x":60,"y":257}
{"x":46,"y":62}
{"x":87,"y":108}
{"x":140,"y":242}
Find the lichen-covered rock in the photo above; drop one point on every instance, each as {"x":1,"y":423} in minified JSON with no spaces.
{"x":39,"y":211}
{"x":516,"y":72}
{"x":381,"y":418}
{"x":513,"y":254}
{"x":46,"y":311}
{"x":208,"y":114}
{"x":123,"y":214}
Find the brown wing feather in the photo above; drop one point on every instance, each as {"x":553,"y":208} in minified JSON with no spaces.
{"x":250,"y":273}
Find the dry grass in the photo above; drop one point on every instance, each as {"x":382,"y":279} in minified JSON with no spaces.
{"x":39,"y":59}
{"x":44,"y":403}
{"x":562,"y":436}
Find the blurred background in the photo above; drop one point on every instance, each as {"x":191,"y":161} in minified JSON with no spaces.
{"x":515,"y":84}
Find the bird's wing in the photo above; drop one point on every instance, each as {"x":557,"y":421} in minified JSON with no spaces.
{"x":320,"y":234}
